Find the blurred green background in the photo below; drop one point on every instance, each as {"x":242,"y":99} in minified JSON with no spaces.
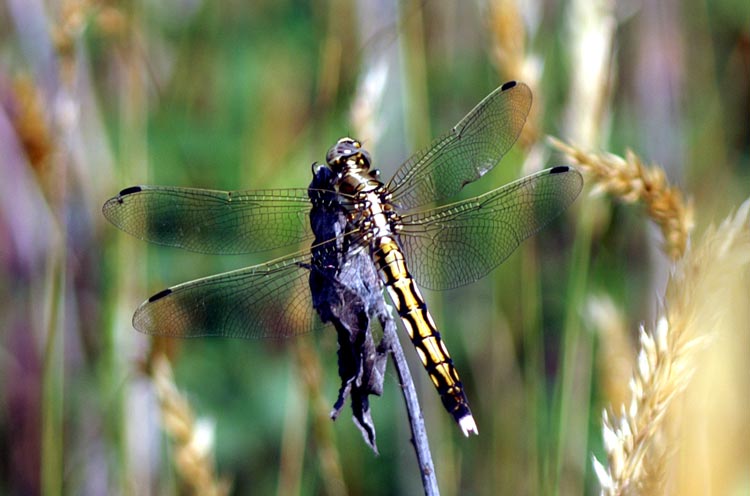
{"x":98,"y":96}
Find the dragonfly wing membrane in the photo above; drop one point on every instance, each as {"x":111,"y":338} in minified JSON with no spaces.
{"x":471,"y":149}
{"x":271,"y":300}
{"x":457,"y":244}
{"x":207,"y":221}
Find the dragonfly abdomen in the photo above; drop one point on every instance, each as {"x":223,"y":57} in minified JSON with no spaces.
{"x":422,"y":331}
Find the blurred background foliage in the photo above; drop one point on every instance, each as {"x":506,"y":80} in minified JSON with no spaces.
{"x":96,"y":96}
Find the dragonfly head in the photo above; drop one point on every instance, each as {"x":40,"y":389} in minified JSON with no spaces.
{"x":347,"y":155}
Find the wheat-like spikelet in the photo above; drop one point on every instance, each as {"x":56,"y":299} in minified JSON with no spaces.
{"x":630,"y":180}
{"x":696,"y":296}
{"x":193,"y":439}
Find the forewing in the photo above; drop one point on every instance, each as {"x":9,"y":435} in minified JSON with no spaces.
{"x":271,"y":300}
{"x":206,"y":221}
{"x":459,"y":243}
{"x":471,"y":149}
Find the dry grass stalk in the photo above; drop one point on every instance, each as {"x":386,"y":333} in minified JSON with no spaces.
{"x":513,"y":62}
{"x":367,"y":103}
{"x":509,"y":36}
{"x":713,"y":454}
{"x":591,"y":29}
{"x":66,"y":33}
{"x":112,"y":21}
{"x":193,"y":440}
{"x":614,"y":355}
{"x":26,"y":109}
{"x":72,"y":20}
{"x":630,"y":180}
{"x":636,"y":439}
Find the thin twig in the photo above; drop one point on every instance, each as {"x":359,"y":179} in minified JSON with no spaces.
{"x":413,"y":410}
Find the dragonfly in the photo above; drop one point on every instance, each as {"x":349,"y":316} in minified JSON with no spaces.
{"x":410,"y":242}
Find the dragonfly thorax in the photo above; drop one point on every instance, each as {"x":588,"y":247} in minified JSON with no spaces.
{"x":351,"y":164}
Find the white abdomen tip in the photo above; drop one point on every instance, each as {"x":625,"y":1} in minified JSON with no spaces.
{"x":468,"y":426}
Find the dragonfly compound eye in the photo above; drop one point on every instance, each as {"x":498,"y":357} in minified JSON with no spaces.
{"x":347,"y":153}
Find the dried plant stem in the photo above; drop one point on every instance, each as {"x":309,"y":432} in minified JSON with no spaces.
{"x":53,"y":377}
{"x":590,"y":35}
{"x":413,"y":410}
{"x":591,"y":27}
{"x":193,"y":443}
{"x":630,"y":180}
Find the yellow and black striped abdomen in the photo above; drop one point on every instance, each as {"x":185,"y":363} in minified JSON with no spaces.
{"x":422,"y":331}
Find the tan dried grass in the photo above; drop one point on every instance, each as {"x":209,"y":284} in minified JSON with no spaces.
{"x":192,"y":439}
{"x":637,"y":441}
{"x":630,"y":181}
{"x":650,"y":447}
{"x":512,"y":59}
{"x":26,"y":110}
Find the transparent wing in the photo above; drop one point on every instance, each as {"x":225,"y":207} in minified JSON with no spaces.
{"x":270,"y":300}
{"x":206,"y":221}
{"x":471,"y":149}
{"x":459,"y":243}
